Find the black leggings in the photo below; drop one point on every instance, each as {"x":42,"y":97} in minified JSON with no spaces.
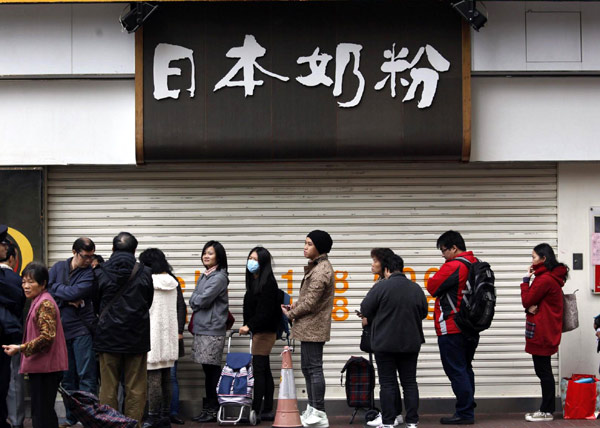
{"x":159,"y":391}
{"x":264,"y":386}
{"x":543,"y":370}
{"x":212,"y":374}
{"x":43,"y":387}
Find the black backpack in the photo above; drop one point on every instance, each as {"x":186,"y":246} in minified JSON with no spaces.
{"x":479,"y":299}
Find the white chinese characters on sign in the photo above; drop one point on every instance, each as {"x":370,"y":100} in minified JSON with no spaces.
{"x":345,"y":53}
{"x":163,"y":55}
{"x":247,"y":54}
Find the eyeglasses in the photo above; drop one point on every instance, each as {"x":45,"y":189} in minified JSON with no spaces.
{"x":443,"y":250}
{"x":86,"y":256}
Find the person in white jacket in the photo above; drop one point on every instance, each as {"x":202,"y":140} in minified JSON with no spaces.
{"x":164,"y":349}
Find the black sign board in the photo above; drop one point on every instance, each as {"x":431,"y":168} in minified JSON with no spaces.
{"x":21,"y":209}
{"x":301,"y":80}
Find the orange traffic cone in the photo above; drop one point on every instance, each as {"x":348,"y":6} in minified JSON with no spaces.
{"x":287,"y":415}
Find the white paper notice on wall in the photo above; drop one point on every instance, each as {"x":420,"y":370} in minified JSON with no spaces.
{"x":596,"y":248}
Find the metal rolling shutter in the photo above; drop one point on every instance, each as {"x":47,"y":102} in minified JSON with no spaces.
{"x":503,"y":211}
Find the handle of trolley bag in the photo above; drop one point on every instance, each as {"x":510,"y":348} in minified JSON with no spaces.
{"x":233,"y":332}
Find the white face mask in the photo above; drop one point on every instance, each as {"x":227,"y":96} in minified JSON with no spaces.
{"x":252,"y":266}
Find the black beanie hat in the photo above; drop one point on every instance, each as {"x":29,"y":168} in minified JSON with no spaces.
{"x":322,"y":241}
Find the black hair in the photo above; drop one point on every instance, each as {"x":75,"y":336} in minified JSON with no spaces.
{"x":381,"y":253}
{"x":451,"y":238}
{"x":83,"y":244}
{"x":11,"y":250}
{"x":265,"y":270}
{"x":219,"y":252}
{"x":155,"y":259}
{"x":125,"y":241}
{"x":98,"y":258}
{"x":545,"y":250}
{"x":38,"y":272}
{"x":393,"y":263}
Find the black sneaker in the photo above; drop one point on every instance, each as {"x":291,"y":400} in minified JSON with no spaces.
{"x":207,"y":415}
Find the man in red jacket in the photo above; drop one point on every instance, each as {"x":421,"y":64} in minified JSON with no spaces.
{"x":456,"y":349}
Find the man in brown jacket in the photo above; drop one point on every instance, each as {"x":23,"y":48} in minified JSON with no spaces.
{"x":311,"y":316}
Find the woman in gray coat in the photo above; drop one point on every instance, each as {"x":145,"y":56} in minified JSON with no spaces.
{"x":211,"y":306}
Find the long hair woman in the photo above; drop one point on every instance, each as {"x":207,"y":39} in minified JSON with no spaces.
{"x":163,"y":337}
{"x":262,"y":316}
{"x":44,"y":350}
{"x":211,"y":306}
{"x":543,"y":301}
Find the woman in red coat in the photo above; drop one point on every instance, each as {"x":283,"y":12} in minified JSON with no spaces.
{"x":543,"y":303}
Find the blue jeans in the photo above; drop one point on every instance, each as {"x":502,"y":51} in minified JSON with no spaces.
{"x":174,"y":391}
{"x":457,"y":352}
{"x":82,"y":373}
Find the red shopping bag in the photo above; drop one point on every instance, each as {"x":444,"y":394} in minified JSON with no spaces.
{"x":580,"y":402}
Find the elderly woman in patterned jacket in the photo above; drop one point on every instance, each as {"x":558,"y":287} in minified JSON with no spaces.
{"x":311,"y":316}
{"x":44,"y":351}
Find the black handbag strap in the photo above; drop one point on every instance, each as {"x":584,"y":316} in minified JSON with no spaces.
{"x":121,"y":290}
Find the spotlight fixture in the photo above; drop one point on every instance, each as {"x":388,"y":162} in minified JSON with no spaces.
{"x":468,"y":10}
{"x":137,"y":14}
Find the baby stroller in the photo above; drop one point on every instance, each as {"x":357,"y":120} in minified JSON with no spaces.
{"x":88,"y":410}
{"x":235,"y":388}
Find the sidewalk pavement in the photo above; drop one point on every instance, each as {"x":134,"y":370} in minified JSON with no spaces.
{"x":486,"y":420}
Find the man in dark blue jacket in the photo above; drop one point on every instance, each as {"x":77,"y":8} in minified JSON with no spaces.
{"x":72,"y":285}
{"x":12,"y":300}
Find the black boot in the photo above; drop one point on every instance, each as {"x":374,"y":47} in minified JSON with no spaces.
{"x":152,"y":421}
{"x":165,"y":419}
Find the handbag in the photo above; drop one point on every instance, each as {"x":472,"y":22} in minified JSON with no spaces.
{"x":580,"y":400}
{"x":570,"y":312}
{"x":365,"y":340}
{"x":228,"y":323}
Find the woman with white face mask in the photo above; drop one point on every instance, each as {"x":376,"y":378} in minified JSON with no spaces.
{"x":262,"y":316}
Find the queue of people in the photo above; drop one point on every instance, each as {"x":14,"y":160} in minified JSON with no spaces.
{"x":129,"y":316}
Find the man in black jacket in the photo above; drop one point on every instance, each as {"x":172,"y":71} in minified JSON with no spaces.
{"x":12,"y":300}
{"x":122,"y":339}
{"x":395,"y":309}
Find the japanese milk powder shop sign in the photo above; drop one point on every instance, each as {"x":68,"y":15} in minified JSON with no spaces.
{"x":302,"y":80}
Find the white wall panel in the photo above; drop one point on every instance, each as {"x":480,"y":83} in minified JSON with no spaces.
{"x":100,"y":45}
{"x":67,"y":121}
{"x":35,"y":39}
{"x":64,"y":40}
{"x":535,"y":118}
{"x":503,"y":210}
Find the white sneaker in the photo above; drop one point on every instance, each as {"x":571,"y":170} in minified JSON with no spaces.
{"x":539,"y":416}
{"x":316,"y":419}
{"x":411,"y":425}
{"x":305,"y":414}
{"x":379,"y":421}
{"x":385,"y":426}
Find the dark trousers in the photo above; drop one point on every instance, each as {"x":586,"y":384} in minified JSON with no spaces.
{"x":16,"y":391}
{"x":43,"y":388}
{"x":543,"y":370}
{"x":405,"y":364}
{"x":264,"y":387}
{"x":457,"y":352}
{"x":311,"y":361}
{"x":212,"y":374}
{"x":4,"y":384}
{"x":159,"y":391}
{"x":174,"y":391}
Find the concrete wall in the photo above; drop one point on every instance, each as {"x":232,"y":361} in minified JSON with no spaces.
{"x":578,"y":190}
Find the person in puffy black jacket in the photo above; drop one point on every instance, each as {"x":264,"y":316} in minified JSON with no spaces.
{"x":123,"y":333}
{"x":262,"y":316}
